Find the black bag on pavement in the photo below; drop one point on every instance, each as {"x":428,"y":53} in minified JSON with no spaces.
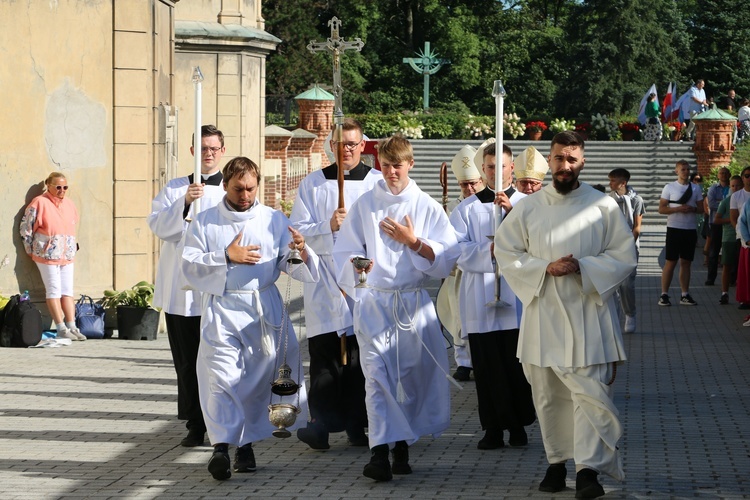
{"x":21,"y":323}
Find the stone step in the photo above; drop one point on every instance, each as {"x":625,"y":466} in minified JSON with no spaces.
{"x":651,"y":165}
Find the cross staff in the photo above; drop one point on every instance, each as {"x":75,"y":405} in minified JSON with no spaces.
{"x":336,"y":45}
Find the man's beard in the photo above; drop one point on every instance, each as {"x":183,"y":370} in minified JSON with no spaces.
{"x":565,"y":186}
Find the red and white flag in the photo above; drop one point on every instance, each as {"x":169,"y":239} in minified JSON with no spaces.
{"x":666,"y":107}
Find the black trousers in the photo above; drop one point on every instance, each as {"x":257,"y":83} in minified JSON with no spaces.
{"x":503,"y":393}
{"x":713,"y":252}
{"x":337,"y":392}
{"x":184,"y":339}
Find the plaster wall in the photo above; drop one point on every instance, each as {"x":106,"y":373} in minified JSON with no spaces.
{"x":244,"y":12}
{"x":57,"y":116}
{"x":232,"y":99}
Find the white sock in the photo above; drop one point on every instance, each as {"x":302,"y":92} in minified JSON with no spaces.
{"x":71,"y":325}
{"x":61,"y":327}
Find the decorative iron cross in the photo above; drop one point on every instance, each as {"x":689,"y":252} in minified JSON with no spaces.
{"x":427,"y":64}
{"x":336,"y":45}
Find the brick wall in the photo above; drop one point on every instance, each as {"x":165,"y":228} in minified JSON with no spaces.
{"x":276,"y":149}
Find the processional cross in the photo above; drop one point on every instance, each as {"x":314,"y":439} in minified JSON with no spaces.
{"x":335,"y":44}
{"x":428,"y":63}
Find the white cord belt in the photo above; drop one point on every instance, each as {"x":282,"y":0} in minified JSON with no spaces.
{"x":265,"y":326}
{"x":409,"y":326}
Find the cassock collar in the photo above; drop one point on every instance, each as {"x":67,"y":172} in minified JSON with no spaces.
{"x":233,"y":216}
{"x":487,"y":195}
{"x":382,"y":192}
{"x":213,"y":180}
{"x":358,"y":173}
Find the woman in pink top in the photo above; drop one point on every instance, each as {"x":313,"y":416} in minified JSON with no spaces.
{"x":48,"y":230}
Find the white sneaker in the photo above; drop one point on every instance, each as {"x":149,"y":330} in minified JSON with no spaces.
{"x":66,"y":334}
{"x":746,"y":323}
{"x":77,"y":333}
{"x":629,"y":324}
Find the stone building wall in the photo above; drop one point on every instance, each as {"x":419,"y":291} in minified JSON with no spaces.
{"x":110,"y":104}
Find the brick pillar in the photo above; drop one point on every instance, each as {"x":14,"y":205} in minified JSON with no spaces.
{"x":275,"y":164}
{"x":299,"y":160}
{"x":316,"y":116}
{"x":713,"y":144}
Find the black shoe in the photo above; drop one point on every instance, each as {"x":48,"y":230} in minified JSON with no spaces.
{"x":587,"y":486}
{"x":518,"y":437}
{"x":687,"y":300}
{"x":554,"y":479}
{"x":357,"y":438}
{"x":244,"y":458}
{"x":664,"y":300}
{"x":401,"y":458}
{"x":194,"y":438}
{"x":724,"y":300}
{"x":492,"y":440}
{"x":314,"y":435}
{"x":218,"y":465}
{"x":379,"y":467}
{"x":743,"y":305}
{"x":462,"y":374}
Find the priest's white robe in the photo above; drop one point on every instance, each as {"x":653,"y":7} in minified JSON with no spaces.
{"x":326,"y":308}
{"x":167,"y":222}
{"x":242,"y":344}
{"x":474,"y":222}
{"x":570,"y":323}
{"x":399,"y":336}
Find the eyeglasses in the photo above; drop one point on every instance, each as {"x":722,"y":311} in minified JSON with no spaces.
{"x":206,"y":149}
{"x":61,"y":188}
{"x":528,"y":182}
{"x":349,"y":145}
{"x":465,"y":184}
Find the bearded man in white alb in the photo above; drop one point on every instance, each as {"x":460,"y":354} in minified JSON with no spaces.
{"x":564,"y":251}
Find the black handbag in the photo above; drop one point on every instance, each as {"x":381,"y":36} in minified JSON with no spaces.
{"x":90,"y":318}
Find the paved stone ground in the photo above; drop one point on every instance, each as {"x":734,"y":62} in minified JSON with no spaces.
{"x":97,"y":420}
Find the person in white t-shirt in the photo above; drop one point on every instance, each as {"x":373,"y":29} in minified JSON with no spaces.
{"x":680,"y":201}
{"x":743,"y":117}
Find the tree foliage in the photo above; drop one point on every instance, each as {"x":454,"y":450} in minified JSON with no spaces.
{"x":555,"y":57}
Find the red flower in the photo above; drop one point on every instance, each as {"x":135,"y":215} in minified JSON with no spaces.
{"x":677,"y":125}
{"x":536,"y":126}
{"x":583,"y":127}
{"x":629,"y":127}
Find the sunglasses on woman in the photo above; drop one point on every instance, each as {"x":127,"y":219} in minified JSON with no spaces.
{"x":61,"y":188}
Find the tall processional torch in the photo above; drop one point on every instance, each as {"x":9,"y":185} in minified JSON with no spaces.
{"x":498,"y":92}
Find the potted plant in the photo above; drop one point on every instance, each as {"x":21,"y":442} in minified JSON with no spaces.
{"x":561,"y":125}
{"x":674,"y":130}
{"x":535,"y":129}
{"x":604,"y":128}
{"x":136,"y":317}
{"x":512,"y":125}
{"x":629,"y":130}
{"x":584,"y":129}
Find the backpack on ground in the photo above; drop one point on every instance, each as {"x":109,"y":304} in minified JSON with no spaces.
{"x":21,"y":323}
